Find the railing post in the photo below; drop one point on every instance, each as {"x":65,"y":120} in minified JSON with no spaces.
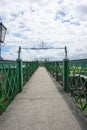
{"x":53,"y":68}
{"x":66,"y":75}
{"x":27,"y":71}
{"x":20,"y":74}
{"x":56,"y":71}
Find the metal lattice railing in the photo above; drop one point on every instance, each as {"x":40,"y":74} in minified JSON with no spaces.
{"x":72,"y":75}
{"x":56,"y":69}
{"x":78,"y":81}
{"x":13,"y":75}
{"x":9,"y":85}
{"x":28,"y":69}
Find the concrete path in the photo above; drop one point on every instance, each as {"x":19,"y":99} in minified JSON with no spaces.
{"x":40,"y":106}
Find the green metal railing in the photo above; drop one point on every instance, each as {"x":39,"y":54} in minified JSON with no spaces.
{"x":13,"y":75}
{"x":9,"y":82}
{"x":28,"y":69}
{"x":78,"y":81}
{"x":72,"y":75}
{"x":56,"y":69}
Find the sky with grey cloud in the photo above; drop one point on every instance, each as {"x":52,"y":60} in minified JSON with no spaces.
{"x":57,"y":23}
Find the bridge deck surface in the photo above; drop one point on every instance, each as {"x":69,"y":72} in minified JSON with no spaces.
{"x":40,"y":106}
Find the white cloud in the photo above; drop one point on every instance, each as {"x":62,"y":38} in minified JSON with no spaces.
{"x":56,"y":22}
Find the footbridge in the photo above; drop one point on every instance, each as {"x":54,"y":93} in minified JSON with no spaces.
{"x":48,"y":97}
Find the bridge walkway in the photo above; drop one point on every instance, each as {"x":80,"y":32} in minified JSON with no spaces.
{"x":42,"y":105}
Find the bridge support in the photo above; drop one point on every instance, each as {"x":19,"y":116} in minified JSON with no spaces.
{"x":66,"y":75}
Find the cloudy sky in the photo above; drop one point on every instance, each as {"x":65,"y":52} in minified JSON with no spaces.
{"x":56,"y":23}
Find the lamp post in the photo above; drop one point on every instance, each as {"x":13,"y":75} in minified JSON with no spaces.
{"x":3,"y":30}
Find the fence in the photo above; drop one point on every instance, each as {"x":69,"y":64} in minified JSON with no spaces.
{"x":78,"y":82}
{"x":56,"y":69}
{"x":13,"y":75}
{"x":72,"y":75}
{"x":28,"y":69}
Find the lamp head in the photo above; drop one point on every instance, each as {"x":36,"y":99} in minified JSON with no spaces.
{"x":3,"y":30}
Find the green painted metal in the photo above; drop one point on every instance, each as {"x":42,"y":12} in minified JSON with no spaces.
{"x":72,"y":75}
{"x":28,"y":69}
{"x":20,"y":73}
{"x":78,"y":82}
{"x":13,"y":75}
{"x":66,"y":75}
{"x":9,"y":85}
{"x":56,"y":69}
